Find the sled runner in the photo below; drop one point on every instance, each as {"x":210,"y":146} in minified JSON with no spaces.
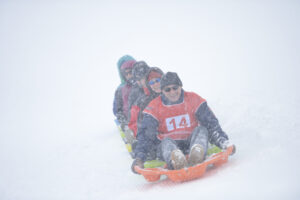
{"x":185,"y":174}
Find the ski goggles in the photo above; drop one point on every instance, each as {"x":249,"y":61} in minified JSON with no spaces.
{"x":153,"y":81}
{"x":168,"y":89}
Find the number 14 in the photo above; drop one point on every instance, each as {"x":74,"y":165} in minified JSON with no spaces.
{"x":177,"y":122}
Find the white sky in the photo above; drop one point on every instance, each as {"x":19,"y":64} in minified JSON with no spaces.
{"x":58,"y":67}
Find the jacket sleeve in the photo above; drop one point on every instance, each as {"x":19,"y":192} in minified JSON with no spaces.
{"x":133,"y":95}
{"x":134,"y":112}
{"x":207,"y":119}
{"x":146,"y":136}
{"x":118,"y":106}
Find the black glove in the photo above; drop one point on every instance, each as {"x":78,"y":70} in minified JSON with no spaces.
{"x":121,"y":118}
{"x":137,"y":162}
{"x":142,"y":101}
{"x":223,"y":143}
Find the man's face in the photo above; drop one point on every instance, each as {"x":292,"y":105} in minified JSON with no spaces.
{"x":142,"y":82}
{"x":172,"y":92}
{"x":128,"y":74}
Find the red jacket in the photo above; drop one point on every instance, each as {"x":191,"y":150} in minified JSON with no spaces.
{"x":176,"y":121}
{"x":134,"y":114}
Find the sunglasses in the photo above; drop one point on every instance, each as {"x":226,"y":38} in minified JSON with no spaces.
{"x":168,"y":89}
{"x":152,"y":82}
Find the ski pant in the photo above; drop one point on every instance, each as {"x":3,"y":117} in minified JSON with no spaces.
{"x":168,"y":145}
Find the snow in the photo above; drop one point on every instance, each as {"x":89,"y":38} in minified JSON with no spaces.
{"x":58,"y":76}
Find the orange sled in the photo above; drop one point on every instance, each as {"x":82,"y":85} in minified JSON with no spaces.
{"x":185,"y":174}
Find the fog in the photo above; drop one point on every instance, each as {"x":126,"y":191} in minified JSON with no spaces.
{"x":58,"y":75}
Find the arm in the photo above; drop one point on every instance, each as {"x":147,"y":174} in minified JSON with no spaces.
{"x":118,"y":106}
{"x":133,"y":96}
{"x":207,"y":119}
{"x":134,"y":112}
{"x":146,"y":136}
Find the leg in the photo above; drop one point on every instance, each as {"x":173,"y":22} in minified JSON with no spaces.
{"x":166,"y":147}
{"x":198,"y":145}
{"x":199,"y":136}
{"x":171,"y":154}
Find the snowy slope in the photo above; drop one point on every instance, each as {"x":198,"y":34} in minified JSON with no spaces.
{"x":58,"y":76}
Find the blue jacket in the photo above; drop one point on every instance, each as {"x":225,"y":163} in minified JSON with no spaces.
{"x":147,"y":132}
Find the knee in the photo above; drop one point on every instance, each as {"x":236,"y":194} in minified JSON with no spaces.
{"x":201,"y":130}
{"x":166,"y":141}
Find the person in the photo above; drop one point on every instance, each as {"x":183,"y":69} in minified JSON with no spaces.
{"x":120,"y":103}
{"x":177,"y":123}
{"x":139,"y":71}
{"x":120,"y":63}
{"x":152,"y":90}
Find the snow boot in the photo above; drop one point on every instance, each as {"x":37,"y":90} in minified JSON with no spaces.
{"x":196,"y":155}
{"x":178,"y":160}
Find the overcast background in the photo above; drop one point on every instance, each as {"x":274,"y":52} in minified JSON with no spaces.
{"x":58,"y":75}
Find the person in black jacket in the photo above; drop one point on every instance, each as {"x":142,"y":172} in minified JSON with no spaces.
{"x":139,"y":72}
{"x":178,"y":123}
{"x":151,"y":91}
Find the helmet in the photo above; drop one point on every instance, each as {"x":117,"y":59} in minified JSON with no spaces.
{"x":140,"y":70}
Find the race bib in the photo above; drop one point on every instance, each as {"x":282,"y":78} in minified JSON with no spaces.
{"x":177,"y":122}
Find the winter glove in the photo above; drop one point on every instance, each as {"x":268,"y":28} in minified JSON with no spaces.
{"x":224,"y":144}
{"x":121,"y":118}
{"x":137,"y":162}
{"x":142,"y":101}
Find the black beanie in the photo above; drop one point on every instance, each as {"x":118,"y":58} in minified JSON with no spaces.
{"x":170,"y":78}
{"x":140,"y":70}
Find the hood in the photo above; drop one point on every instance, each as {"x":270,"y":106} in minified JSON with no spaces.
{"x":120,"y":62}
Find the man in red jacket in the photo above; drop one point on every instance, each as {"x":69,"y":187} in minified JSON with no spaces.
{"x":178,"y":123}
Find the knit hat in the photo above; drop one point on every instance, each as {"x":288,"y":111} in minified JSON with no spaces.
{"x":170,"y":78}
{"x":140,"y":69}
{"x":154,"y":74}
{"x":127,"y":65}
